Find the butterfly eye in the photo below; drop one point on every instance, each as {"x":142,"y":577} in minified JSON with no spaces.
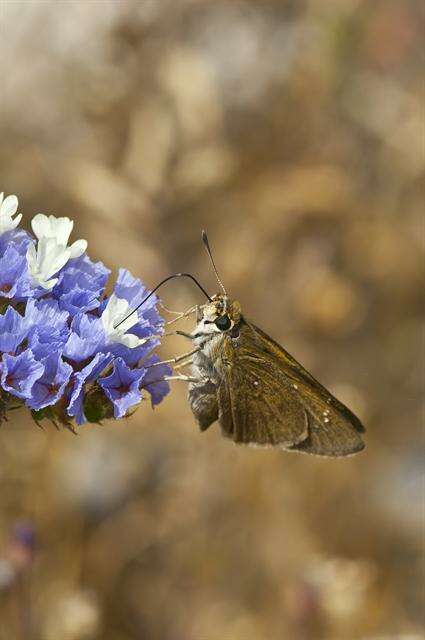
{"x":223,"y":323}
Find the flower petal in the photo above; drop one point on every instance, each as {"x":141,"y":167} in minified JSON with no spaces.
{"x":77,"y":248}
{"x":17,"y":220}
{"x":128,"y":340}
{"x":9,"y":206}
{"x":19,"y":373}
{"x":47,"y":284}
{"x":32,"y":256}
{"x":40,"y":225}
{"x":60,"y":229}
{"x":122,"y":387}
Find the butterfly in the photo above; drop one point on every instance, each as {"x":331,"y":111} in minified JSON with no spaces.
{"x":257,"y":392}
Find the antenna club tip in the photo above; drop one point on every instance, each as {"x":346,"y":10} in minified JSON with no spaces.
{"x":207,"y":247}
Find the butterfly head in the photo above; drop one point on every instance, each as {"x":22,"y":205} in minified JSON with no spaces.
{"x":220,"y":315}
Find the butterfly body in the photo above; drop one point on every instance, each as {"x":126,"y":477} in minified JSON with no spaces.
{"x":258,"y":392}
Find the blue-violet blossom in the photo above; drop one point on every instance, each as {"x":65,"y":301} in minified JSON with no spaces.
{"x":69,"y":352}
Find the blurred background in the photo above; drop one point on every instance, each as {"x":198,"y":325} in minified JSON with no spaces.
{"x":294,"y":133}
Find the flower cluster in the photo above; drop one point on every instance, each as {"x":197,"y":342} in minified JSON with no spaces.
{"x":68,"y":352}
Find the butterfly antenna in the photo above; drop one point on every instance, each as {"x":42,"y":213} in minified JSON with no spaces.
{"x":207,"y":247}
{"x":175,"y":275}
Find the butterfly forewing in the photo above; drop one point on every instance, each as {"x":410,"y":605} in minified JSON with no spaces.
{"x":256,"y":404}
{"x":266,"y":397}
{"x":296,"y":371}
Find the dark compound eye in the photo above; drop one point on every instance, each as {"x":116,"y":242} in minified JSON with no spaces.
{"x":223,"y":323}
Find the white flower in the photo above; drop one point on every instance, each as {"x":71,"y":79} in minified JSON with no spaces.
{"x":8,"y":208}
{"x":52,"y":252}
{"x":46,"y":260}
{"x":115,"y":311}
{"x":58,"y":229}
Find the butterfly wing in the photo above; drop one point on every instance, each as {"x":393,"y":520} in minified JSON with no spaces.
{"x":257,"y":407}
{"x":266,"y":397}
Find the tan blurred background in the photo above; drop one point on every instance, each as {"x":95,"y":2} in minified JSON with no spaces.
{"x":293,"y":132}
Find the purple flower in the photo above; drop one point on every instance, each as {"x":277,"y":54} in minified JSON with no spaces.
{"x":45,"y":312}
{"x":130,"y":336}
{"x":131,"y":356}
{"x":60,"y":338}
{"x":47,"y":327}
{"x":122,"y":387}
{"x":77,"y":300}
{"x":153,"y":380}
{"x":14,"y":281}
{"x":19,"y":374}
{"x":120,"y":326}
{"x":86,"y":337}
{"x":46,"y":340}
{"x":131,"y":289}
{"x":13,"y":331}
{"x":89,"y":373}
{"x":16,"y":238}
{"x":80,"y":284}
{"x":49,"y":387}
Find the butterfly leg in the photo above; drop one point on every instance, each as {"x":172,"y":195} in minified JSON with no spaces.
{"x":202,"y":391}
{"x":180,"y":314}
{"x":182,"y":365}
{"x":189,"y":336}
{"x":177,"y":359}
{"x":182,"y":377}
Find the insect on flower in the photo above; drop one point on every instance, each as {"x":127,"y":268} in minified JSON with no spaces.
{"x":254,"y":388}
